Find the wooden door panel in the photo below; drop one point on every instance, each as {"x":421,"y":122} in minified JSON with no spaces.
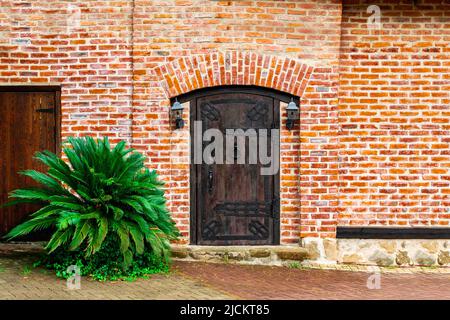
{"x":28,"y":125}
{"x":235,"y":204}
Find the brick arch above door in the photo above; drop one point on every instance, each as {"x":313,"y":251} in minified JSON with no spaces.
{"x":219,"y":68}
{"x":167,"y":150}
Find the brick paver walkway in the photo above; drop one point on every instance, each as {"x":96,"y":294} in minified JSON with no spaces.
{"x":263,"y":282}
{"x":17,"y":283}
{"x":190,"y":280}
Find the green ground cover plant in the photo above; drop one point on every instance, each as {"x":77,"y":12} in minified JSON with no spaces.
{"x":106,"y":211}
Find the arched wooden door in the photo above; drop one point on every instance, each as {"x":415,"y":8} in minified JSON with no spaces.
{"x":234,"y":203}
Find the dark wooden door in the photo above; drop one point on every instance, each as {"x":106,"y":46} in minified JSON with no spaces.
{"x":234,"y":204}
{"x":28,"y":124}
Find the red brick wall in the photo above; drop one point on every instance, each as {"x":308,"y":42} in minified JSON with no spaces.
{"x":120,"y":65}
{"x":293,"y":46}
{"x":394,"y":113}
{"x":372,"y":145}
{"x":41,"y":43}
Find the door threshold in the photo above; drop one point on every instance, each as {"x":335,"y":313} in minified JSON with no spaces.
{"x":251,"y":254}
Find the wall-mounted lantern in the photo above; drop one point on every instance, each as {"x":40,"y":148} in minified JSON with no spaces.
{"x":292,"y":114}
{"x":176,"y":112}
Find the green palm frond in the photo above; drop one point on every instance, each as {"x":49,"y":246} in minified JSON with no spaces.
{"x":100,"y":235}
{"x":67,"y":218}
{"x":47,"y":211}
{"x":59,"y":238}
{"x":33,"y":194}
{"x":81,"y":232}
{"x":29,"y":226}
{"x":124,"y":236}
{"x":43,"y":179}
{"x":100,"y":191}
{"x":137,"y":236}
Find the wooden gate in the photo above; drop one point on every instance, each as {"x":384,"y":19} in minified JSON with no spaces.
{"x":30,"y":122}
{"x":234,"y":204}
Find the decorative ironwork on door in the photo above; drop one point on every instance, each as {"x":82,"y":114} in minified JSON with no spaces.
{"x":233,"y":204}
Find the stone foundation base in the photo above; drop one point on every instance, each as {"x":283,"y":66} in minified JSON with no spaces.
{"x":409,"y":252}
{"x":263,"y":255}
{"x":373,"y":252}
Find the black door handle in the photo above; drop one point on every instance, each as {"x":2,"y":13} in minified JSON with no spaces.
{"x":210,"y":181}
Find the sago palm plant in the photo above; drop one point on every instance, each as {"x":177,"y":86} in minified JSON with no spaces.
{"x":100,"y":192}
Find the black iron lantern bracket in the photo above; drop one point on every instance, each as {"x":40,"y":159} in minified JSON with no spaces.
{"x":176,"y":112}
{"x":292,"y":114}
